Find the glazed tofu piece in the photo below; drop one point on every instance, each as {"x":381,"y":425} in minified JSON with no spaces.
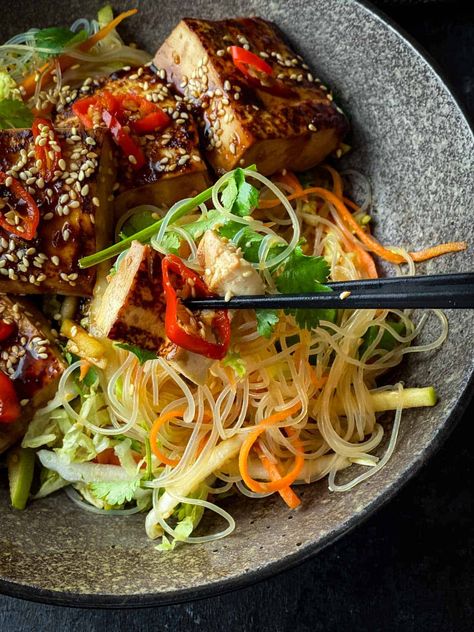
{"x":174,"y":168}
{"x":31,"y":358}
{"x":132,"y":310}
{"x":286,"y":119}
{"x":132,"y":307}
{"x":74,"y":208}
{"x":226,"y":272}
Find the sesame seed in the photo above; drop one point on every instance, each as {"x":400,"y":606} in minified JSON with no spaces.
{"x":95,"y":201}
{"x":132,"y":159}
{"x":62,"y":164}
{"x":312,"y":127}
{"x":344,"y":295}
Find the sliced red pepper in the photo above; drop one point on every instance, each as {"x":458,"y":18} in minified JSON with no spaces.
{"x":6,"y":330}
{"x":244,"y":60}
{"x":151,"y":122}
{"x":124,"y":141}
{"x":27,"y":229}
{"x":47,"y":152}
{"x":9,"y":404}
{"x":151,"y":116}
{"x":99,"y":102}
{"x":174,"y":330}
{"x":81,"y":110}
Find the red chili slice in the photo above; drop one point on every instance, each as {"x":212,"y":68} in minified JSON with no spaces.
{"x":6,"y":330}
{"x":174,"y":330}
{"x":9,"y":404}
{"x":124,"y":140}
{"x":26,"y":229}
{"x":244,"y":60}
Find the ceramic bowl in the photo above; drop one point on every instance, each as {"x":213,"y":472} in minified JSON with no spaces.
{"x":411,"y":139}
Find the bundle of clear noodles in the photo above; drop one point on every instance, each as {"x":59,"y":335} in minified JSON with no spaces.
{"x":296,"y":398}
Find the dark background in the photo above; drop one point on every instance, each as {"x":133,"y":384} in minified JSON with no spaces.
{"x":410,"y":566}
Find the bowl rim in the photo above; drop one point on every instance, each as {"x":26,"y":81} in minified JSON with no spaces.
{"x":143,"y":600}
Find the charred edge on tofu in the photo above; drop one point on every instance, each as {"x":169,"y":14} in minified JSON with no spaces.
{"x":73,"y":209}
{"x":240,"y":123}
{"x":174,"y":167}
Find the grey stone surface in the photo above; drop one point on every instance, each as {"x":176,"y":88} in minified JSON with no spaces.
{"x":412,"y":141}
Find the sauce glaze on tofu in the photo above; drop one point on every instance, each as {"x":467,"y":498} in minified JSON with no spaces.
{"x":174,"y":168}
{"x":243,"y":124}
{"x":31,"y":358}
{"x":74,"y":212}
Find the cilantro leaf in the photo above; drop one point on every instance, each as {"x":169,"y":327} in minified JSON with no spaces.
{"x":115,"y":492}
{"x":239,"y":197}
{"x":142,"y":354}
{"x":172,"y":242}
{"x":267,"y":319}
{"x":14,"y":114}
{"x":249,"y":241}
{"x":302,"y":274}
{"x":57,"y":38}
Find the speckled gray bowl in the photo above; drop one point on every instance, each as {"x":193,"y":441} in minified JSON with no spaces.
{"x":412,"y":140}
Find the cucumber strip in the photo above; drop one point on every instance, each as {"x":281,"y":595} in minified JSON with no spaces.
{"x":21,"y":466}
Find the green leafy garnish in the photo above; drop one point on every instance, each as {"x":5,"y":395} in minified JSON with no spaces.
{"x":56,"y":38}
{"x":142,"y":354}
{"x":387,"y":341}
{"x":188,"y":516}
{"x":14,"y":114}
{"x":115,"y":492}
{"x":239,"y":196}
{"x":267,"y":319}
{"x":234,"y":361}
{"x":302,"y":274}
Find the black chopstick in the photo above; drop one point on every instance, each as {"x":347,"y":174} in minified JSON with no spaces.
{"x":446,"y":291}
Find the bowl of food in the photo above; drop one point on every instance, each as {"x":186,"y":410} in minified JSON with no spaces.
{"x":153,"y":452}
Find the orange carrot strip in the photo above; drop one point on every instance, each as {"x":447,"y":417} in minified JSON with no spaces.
{"x":85,"y":366}
{"x":247,"y":445}
{"x":65,"y":61}
{"x":372,"y":244}
{"x":319,"y":382}
{"x":290,"y":180}
{"x":157,"y":424}
{"x":288,"y":495}
{"x":437,"y":251}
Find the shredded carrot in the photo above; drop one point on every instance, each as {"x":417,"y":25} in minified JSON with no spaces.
{"x":437,"y":251}
{"x":372,"y":244}
{"x":319,"y":382}
{"x":107,"y":457}
{"x":290,"y":180}
{"x":85,"y":366}
{"x":157,"y":424}
{"x":288,"y":495}
{"x":28,"y":84}
{"x":285,"y":481}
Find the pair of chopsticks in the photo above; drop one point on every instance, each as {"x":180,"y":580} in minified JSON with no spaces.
{"x":444,"y":291}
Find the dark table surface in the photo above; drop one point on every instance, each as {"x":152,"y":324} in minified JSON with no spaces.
{"x":410,"y":566}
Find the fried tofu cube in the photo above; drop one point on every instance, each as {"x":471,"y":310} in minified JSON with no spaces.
{"x":31,"y":358}
{"x":132,"y":310}
{"x":132,"y":307}
{"x":283,"y":120}
{"x":174,"y":167}
{"x":74,"y":207}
